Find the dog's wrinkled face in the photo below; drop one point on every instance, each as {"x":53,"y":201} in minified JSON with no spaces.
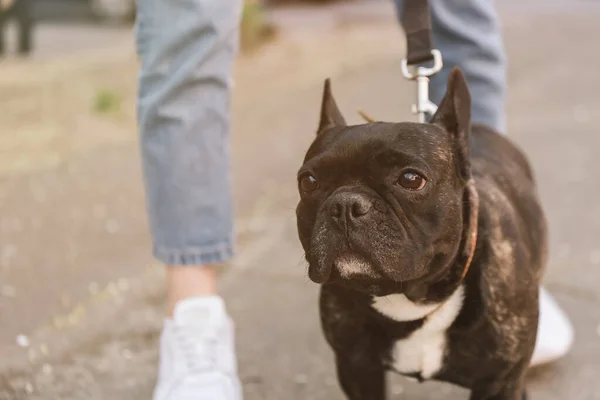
{"x":381,"y":203}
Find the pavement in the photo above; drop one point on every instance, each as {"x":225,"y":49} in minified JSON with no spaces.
{"x":81,"y":300}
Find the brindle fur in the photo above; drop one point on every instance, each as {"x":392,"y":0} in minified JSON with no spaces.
{"x":490,"y":343}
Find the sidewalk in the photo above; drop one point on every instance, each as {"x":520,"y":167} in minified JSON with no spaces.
{"x":89,"y":298}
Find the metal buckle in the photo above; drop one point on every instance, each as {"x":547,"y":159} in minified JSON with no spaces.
{"x":424,"y":106}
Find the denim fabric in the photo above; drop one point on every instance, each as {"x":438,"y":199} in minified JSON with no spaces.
{"x":468,"y":34}
{"x":187,"y":49}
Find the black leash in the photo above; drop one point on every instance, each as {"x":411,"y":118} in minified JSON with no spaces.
{"x":416,"y":20}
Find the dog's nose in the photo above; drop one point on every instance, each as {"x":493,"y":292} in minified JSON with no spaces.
{"x":351,"y":206}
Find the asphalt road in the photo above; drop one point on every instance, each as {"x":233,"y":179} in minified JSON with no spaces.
{"x":78,"y":283}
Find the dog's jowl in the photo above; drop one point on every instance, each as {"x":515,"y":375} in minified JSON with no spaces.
{"x":428,"y":242}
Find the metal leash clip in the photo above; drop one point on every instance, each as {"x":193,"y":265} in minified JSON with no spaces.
{"x":424,"y":107}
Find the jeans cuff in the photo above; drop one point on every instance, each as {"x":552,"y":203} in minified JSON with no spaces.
{"x":209,"y":254}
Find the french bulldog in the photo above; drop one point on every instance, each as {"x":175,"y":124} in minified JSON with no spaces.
{"x":429,"y":242}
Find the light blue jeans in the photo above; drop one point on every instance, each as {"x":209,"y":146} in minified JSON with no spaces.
{"x":467,"y":32}
{"x":187,"y":49}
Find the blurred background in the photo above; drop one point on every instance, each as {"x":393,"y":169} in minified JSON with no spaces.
{"x":80,"y":296}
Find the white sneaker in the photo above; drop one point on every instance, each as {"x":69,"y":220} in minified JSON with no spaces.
{"x":555,"y":332}
{"x":197,"y":355}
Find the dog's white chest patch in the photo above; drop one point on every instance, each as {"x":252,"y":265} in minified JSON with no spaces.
{"x":423,"y":351}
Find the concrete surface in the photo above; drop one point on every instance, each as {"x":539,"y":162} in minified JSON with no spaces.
{"x":55,"y":39}
{"x":76,"y":280}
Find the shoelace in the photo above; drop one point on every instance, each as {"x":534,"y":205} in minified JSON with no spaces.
{"x":199,"y":349}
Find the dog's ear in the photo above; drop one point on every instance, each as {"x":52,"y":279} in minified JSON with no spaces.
{"x":454,"y":115}
{"x":330,"y":113}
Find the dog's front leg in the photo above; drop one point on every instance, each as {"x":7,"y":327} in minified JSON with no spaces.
{"x":358,"y":342}
{"x":362,"y":376}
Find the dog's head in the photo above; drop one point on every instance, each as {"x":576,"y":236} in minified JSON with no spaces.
{"x":382,"y":204}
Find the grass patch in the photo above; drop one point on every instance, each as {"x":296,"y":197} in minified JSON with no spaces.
{"x":255,"y":29}
{"x":107,"y":101}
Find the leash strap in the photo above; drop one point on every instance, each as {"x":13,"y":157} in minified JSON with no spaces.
{"x":416,"y":20}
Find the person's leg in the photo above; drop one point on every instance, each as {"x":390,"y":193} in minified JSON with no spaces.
{"x":2,"y":44}
{"x":187,"y":49}
{"x":468,"y":34}
{"x":24,"y":17}
{"x":193,"y":281}
{"x":5,"y":8}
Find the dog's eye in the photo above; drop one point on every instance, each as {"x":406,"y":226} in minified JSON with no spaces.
{"x":412,"y":180}
{"x":308,"y":183}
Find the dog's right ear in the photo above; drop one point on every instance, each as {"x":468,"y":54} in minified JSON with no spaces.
{"x":330,"y":113}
